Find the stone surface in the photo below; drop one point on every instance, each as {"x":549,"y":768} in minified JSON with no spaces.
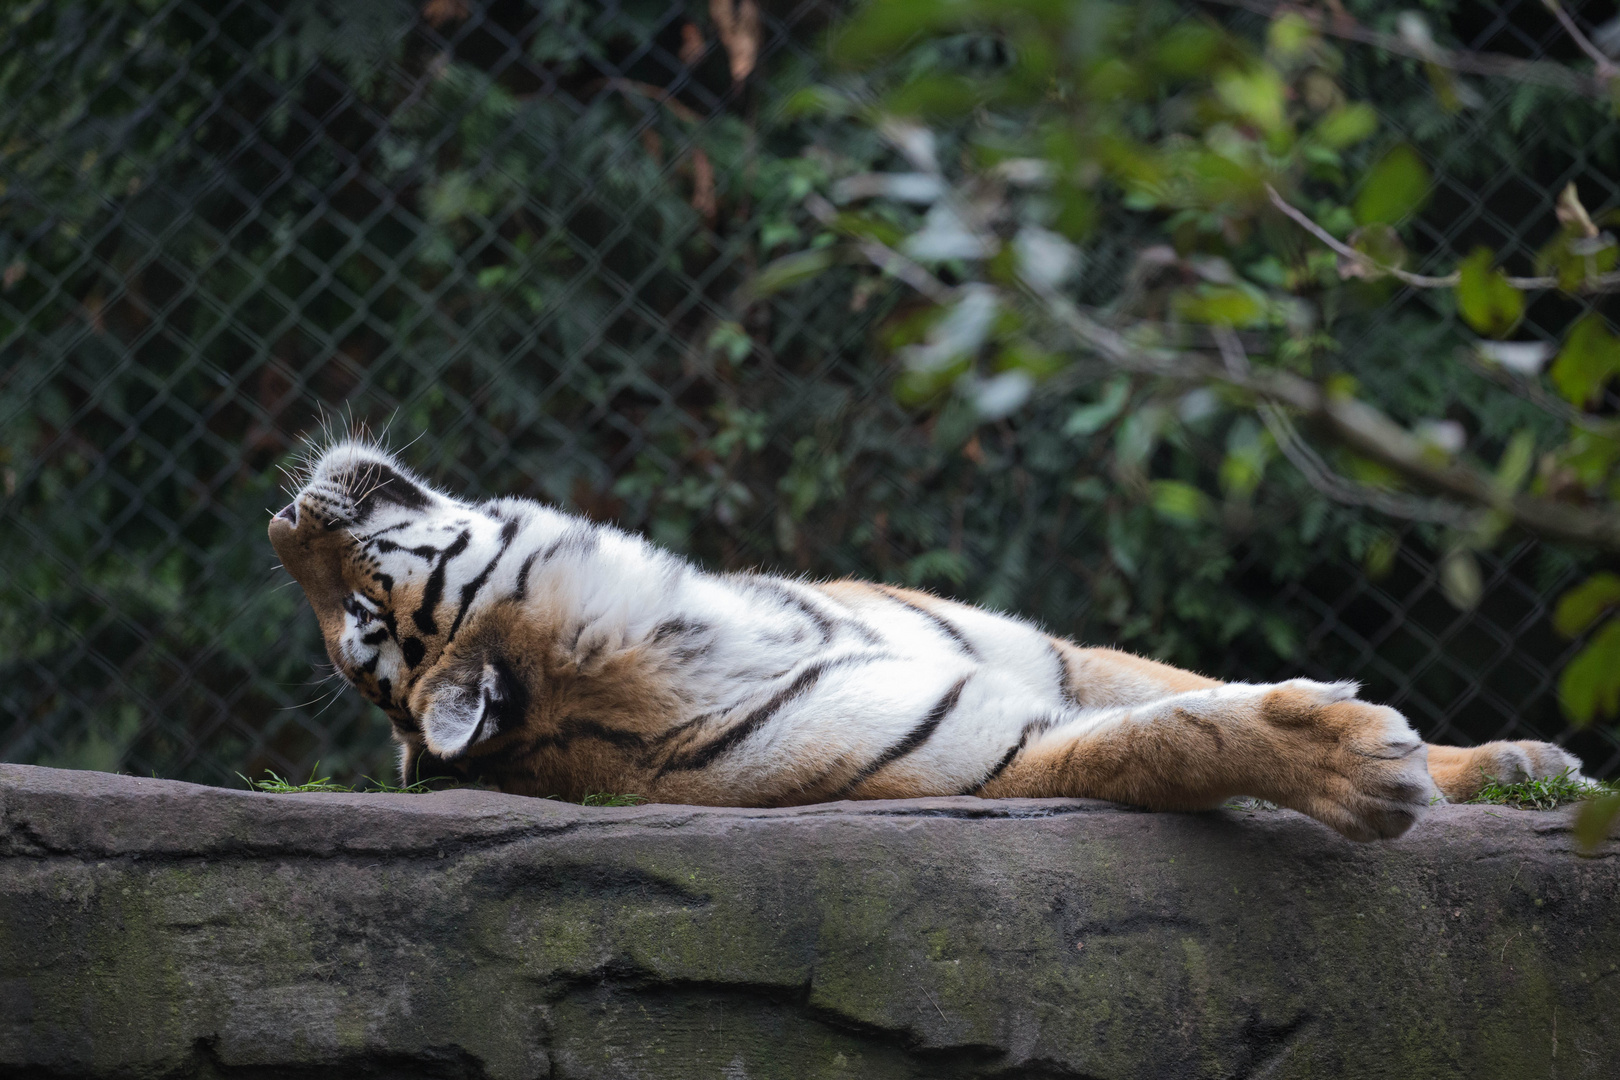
{"x":153,"y":928}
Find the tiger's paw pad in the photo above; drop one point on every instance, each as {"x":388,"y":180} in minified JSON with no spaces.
{"x":1367,"y":770}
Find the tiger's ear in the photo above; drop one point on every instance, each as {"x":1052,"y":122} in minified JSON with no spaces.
{"x":472,"y":706}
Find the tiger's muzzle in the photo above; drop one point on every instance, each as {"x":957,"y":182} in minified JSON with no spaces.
{"x":314,"y":556}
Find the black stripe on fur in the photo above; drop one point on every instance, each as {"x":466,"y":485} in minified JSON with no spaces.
{"x":913,"y":740}
{"x":1065,"y":675}
{"x":945,"y":626}
{"x":423,"y":615}
{"x":1031,"y":728}
{"x":706,"y":754}
{"x":823,"y":623}
{"x":470,"y":590}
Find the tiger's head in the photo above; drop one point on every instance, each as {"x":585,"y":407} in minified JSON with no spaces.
{"x":402,"y":580}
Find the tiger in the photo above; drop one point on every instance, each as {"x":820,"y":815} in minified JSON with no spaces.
{"x":517,"y":645}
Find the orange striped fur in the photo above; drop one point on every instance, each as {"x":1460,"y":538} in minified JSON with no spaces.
{"x":516,"y":645}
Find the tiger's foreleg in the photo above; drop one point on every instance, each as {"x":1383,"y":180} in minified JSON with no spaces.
{"x":1357,"y":767}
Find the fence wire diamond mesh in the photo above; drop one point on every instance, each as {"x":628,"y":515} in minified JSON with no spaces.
{"x":510,"y":236}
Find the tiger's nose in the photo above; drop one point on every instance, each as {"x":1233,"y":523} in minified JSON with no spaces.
{"x":288,"y":513}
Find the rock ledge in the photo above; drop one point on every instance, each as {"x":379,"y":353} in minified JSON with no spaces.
{"x":150,"y":928}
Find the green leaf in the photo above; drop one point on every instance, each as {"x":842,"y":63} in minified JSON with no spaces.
{"x":1380,"y":557}
{"x":1513,"y":467}
{"x":1450,"y":90}
{"x":1590,"y":357}
{"x":1114,"y":78}
{"x":1590,"y":684}
{"x":887,"y":26}
{"x":936,"y":565}
{"x":1077,"y":211}
{"x":1382,"y":243}
{"x":1290,"y":35}
{"x":934,"y":96}
{"x":1592,"y":456}
{"x":1256,"y":94}
{"x":823,"y":101}
{"x":1282,"y":638}
{"x":1583,"y":605}
{"x":1222,"y":305}
{"x":868,"y":227}
{"x":1573,"y":257}
{"x":1523,"y":105}
{"x":1487,"y":302}
{"x":1137,"y":436}
{"x":1189,"y":49}
{"x":1179,"y":502}
{"x":916,"y":389}
{"x":1024,"y":355}
{"x":733,"y":340}
{"x":1459,"y":578}
{"x":1347,"y":125}
{"x":1089,"y":419}
{"x":792,"y":269}
{"x":1594,"y":819}
{"x":1248,"y":450}
{"x":1393,"y":188}
{"x":1240,"y":474}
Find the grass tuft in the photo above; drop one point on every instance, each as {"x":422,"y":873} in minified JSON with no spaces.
{"x":276,"y":784}
{"x":421,"y":787}
{"x":1547,"y":793}
{"x":280,"y":785}
{"x":607,"y":798}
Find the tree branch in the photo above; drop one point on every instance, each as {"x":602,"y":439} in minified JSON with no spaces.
{"x":1528,"y":390}
{"x":1366,"y":431}
{"x":884,"y":257}
{"x":1609,"y":282}
{"x":1361,"y":258}
{"x":1353,"y":424}
{"x":1322,"y":477}
{"x":1604,"y":66}
{"x":658,"y":95}
{"x":1495,"y":65}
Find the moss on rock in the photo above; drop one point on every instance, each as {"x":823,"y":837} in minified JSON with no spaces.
{"x":160,"y":929}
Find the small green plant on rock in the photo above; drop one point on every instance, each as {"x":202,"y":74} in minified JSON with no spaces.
{"x":608,"y":798}
{"x":277,"y":784}
{"x":1547,"y":793}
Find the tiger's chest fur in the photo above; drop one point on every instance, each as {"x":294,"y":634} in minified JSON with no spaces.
{"x":548,"y":655}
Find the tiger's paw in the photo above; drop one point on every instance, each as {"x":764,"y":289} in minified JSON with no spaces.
{"x":1354,"y":766}
{"x":1460,"y":772}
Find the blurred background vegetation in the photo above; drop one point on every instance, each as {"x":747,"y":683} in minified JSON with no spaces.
{"x":610,"y":255}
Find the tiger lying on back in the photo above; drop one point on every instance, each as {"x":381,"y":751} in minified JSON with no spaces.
{"x":517,"y":645}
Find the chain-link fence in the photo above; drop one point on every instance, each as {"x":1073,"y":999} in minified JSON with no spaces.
{"x":511,"y":237}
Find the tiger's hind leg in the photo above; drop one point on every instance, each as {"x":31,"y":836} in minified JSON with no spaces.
{"x":1311,"y":746}
{"x":1460,"y":772}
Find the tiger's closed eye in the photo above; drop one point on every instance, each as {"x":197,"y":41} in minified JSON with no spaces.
{"x":360,"y":608}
